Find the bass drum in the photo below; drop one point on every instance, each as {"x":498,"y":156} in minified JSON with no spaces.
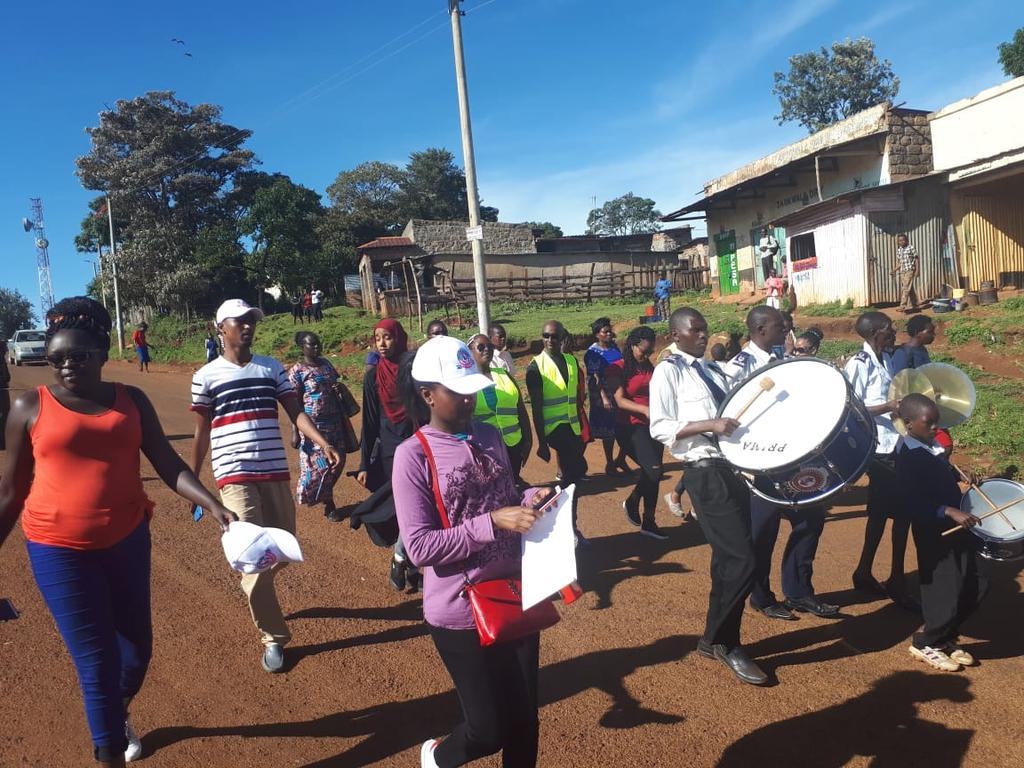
{"x":802,"y":440}
{"x":999,"y":539}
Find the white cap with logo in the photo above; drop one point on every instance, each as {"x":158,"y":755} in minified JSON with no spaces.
{"x":251,"y":548}
{"x":237,"y":308}
{"x":446,"y":360}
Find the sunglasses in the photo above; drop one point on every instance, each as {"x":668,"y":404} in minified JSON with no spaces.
{"x":802,"y":351}
{"x":546,"y":335}
{"x":481,"y":347}
{"x":73,"y":356}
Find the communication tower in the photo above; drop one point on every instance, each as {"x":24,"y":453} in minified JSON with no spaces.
{"x":36,"y":226}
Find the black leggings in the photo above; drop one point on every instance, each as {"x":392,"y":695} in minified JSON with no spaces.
{"x":497,"y":688}
{"x":571,"y":460}
{"x":647,"y":452}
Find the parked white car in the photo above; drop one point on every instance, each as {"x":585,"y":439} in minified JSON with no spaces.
{"x":27,"y":346}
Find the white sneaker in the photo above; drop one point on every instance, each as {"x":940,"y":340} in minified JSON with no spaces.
{"x":935,"y":658}
{"x":427,"y":753}
{"x":673,"y":507}
{"x":134,"y":750}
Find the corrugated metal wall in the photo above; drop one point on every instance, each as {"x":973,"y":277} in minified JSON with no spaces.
{"x":924,"y":220}
{"x":990,"y":231}
{"x":839,"y":245}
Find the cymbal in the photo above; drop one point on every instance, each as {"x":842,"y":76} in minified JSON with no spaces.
{"x":910,"y":380}
{"x":954,"y":393}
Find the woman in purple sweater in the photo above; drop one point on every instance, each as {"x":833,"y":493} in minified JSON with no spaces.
{"x":497,"y":685}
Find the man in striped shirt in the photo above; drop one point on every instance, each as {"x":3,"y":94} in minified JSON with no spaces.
{"x":235,"y":400}
{"x":907,"y":267}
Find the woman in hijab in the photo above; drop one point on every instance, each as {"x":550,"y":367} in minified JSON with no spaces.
{"x":385,"y":426}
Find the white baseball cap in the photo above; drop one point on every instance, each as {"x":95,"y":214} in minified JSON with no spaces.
{"x":448,"y":361}
{"x":251,"y":548}
{"x":236,"y":308}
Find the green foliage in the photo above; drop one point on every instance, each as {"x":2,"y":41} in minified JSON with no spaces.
{"x":625,"y":215}
{"x":544,"y":229}
{"x":434,"y":187}
{"x":15,"y":312}
{"x":993,"y":431}
{"x":831,"y":309}
{"x":991,"y":325}
{"x":823,"y":87}
{"x":1011,"y":55}
{"x":835,"y":349}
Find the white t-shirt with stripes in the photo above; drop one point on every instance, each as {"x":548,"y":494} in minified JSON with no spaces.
{"x":245,"y":438}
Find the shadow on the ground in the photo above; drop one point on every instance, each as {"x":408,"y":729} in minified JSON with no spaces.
{"x":881,"y":725}
{"x":395,"y":726}
{"x":410,"y":610}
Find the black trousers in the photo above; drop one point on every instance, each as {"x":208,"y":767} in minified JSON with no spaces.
{"x":883,"y":503}
{"x":497,"y":688}
{"x":722,"y":503}
{"x":647,"y":452}
{"x":798,"y":558}
{"x":569,"y":447}
{"x":954,"y":579}
{"x":515,"y":456}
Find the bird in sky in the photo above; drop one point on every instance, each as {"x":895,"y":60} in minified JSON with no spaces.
{"x":189,"y":55}
{"x":176,"y":40}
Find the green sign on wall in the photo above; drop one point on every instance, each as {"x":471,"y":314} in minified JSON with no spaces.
{"x":728,"y":266}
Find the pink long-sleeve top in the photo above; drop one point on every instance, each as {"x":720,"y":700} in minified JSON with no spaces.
{"x":475,"y":479}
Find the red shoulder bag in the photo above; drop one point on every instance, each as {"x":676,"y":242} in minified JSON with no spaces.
{"x":497,"y":604}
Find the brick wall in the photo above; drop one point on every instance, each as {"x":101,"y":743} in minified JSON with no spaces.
{"x":909,"y":145}
{"x":450,"y":237}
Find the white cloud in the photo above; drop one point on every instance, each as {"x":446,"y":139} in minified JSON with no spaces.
{"x":882,"y":18}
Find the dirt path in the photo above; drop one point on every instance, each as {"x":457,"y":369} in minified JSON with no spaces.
{"x":620,"y":682}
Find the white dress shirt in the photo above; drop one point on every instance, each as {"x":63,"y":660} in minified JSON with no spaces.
{"x":503,"y":359}
{"x":751,"y":359}
{"x":679,"y":397}
{"x":871,"y":380}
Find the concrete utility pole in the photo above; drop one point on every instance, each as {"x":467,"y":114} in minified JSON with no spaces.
{"x":483,"y":309}
{"x":113,"y":266}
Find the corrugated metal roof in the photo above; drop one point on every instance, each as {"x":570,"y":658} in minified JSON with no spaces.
{"x":386,"y":242}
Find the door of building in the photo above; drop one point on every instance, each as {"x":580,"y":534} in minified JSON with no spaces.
{"x":728,"y":268}
{"x":776,"y":262}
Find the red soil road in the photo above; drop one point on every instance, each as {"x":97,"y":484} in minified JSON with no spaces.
{"x":620,"y":683}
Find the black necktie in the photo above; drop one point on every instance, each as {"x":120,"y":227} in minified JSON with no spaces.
{"x":716,"y":391}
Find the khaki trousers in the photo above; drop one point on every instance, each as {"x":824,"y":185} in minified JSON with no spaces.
{"x":268,"y":504}
{"x":908,"y":296}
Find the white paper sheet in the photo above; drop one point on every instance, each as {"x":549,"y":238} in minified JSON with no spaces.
{"x":549,"y":552}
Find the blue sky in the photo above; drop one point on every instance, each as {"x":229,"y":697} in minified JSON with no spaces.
{"x":571,"y":99}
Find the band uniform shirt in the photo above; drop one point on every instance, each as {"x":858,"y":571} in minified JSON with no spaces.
{"x":906,"y":259}
{"x":871,"y":379}
{"x":751,"y":359}
{"x":679,"y":397}
{"x":927,"y":482}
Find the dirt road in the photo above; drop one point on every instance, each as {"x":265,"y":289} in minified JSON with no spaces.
{"x":621,"y":684}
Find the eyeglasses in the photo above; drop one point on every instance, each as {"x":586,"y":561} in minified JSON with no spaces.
{"x":481,"y":347}
{"x":802,"y":351}
{"x":73,"y":356}
{"x":547,"y":335}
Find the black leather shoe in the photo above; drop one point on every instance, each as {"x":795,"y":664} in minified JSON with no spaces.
{"x":868,"y":585}
{"x":705,"y":649}
{"x":396,"y":575}
{"x":812,"y":605}
{"x":778,"y":611}
{"x":741,"y":665}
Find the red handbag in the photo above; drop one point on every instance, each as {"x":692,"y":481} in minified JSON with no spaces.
{"x":497,"y":604}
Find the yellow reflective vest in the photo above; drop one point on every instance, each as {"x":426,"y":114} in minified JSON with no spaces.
{"x":559,"y":406}
{"x":504,"y":417}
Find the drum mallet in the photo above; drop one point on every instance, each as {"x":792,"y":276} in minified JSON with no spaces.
{"x":984,"y":496}
{"x":765,"y":384}
{"x":996,"y":511}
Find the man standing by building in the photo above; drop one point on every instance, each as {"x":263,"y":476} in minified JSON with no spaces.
{"x":767,"y":331}
{"x":235,"y":401}
{"x":553,"y":380}
{"x":663,"y":296}
{"x":907,"y":268}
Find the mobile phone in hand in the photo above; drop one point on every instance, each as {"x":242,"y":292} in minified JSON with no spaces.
{"x":7,"y":610}
{"x":197,"y":513}
{"x":550,"y":502}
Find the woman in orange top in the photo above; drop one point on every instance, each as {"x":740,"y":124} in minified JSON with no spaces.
{"x":88,"y":540}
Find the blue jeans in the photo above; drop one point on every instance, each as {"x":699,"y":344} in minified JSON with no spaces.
{"x":100,"y":601}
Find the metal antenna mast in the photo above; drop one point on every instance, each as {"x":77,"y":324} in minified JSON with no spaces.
{"x":42,"y":253}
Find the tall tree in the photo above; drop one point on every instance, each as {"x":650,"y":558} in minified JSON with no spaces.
{"x":1011,"y":55}
{"x":15,"y":312}
{"x":434,"y":187}
{"x":823,"y":87}
{"x":364,"y":200}
{"x":625,"y":215}
{"x":544,"y":229}
{"x":168,"y":167}
{"x":282,"y":224}
{"x":94,"y":230}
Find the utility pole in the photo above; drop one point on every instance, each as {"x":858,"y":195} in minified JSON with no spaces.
{"x":483,"y":309}
{"x":113,"y":266}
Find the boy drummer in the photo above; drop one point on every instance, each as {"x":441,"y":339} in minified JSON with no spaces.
{"x":953,"y":580}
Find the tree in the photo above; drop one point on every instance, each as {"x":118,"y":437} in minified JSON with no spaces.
{"x":823,"y":87}
{"x":626,"y":215}
{"x":95,"y":228}
{"x":544,"y":229}
{"x":364,"y":201}
{"x":1011,"y":55}
{"x":282,"y":224}
{"x":169,"y":168}
{"x":15,"y":312}
{"x":434,"y":187}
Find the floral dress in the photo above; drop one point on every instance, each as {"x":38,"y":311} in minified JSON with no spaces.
{"x":606,"y":364}
{"x":314,"y":385}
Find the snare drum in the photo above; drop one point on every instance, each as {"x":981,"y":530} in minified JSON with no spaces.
{"x":999,"y":539}
{"x":802,"y":440}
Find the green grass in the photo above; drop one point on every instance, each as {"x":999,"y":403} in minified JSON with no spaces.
{"x":992,"y":325}
{"x":832,"y":309}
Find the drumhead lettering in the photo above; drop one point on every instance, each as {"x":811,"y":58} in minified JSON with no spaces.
{"x":753,"y":445}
